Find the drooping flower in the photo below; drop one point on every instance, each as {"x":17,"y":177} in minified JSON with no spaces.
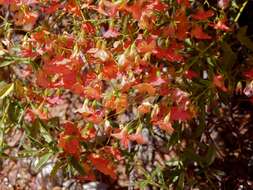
{"x":220,"y":25}
{"x":190,"y":74}
{"x":138,"y":137}
{"x":123,"y":136}
{"x":218,"y":81}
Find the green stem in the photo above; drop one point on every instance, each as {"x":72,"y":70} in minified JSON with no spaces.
{"x":241,"y":10}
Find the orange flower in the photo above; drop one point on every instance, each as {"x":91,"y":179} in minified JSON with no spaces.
{"x":144,"y":108}
{"x":144,"y":46}
{"x":92,"y":93}
{"x":88,"y":133}
{"x":70,"y":145}
{"x":22,"y":18}
{"x":145,"y":88}
{"x":121,"y":103}
{"x":138,"y":137}
{"x":123,"y":136}
{"x":166,"y":126}
{"x":69,"y":140}
{"x":94,"y":116}
{"x":102,"y":165}
{"x":115,"y":152}
{"x":31,"y":115}
{"x":110,"y":70}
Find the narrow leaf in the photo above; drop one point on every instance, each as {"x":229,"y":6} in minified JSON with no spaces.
{"x":6,"y":90}
{"x":43,"y":160}
{"x":6,"y":63}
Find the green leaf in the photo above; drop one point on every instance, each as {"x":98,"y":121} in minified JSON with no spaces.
{"x":6,"y":63}
{"x":6,"y":89}
{"x":228,"y":59}
{"x":43,"y":160}
{"x":189,"y":155}
{"x":241,"y":36}
{"x":77,"y":165}
{"x":42,"y":128}
{"x":46,"y":135}
{"x":2,"y":52}
{"x":210,"y":156}
{"x":210,"y":61}
{"x":27,"y":152}
{"x":55,"y":169}
{"x":14,"y":111}
{"x":180,"y":185}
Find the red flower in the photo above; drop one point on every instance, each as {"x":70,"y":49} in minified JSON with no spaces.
{"x":190,"y":74}
{"x":136,"y":9}
{"x":178,"y":113}
{"x":182,"y":24}
{"x":220,"y":25}
{"x":110,"y":70}
{"x":157,"y":5}
{"x":115,"y":152}
{"x":202,"y":14}
{"x":92,"y":92}
{"x":184,"y":2}
{"x":52,"y":8}
{"x":42,"y":79}
{"x":170,"y":54}
{"x":28,"y":52}
{"x":70,"y":145}
{"x":248,"y":74}
{"x":146,"y":45}
{"x":95,"y":117}
{"x":90,"y":176}
{"x":199,"y":34}
{"x":218,"y":81}
{"x":88,"y":28}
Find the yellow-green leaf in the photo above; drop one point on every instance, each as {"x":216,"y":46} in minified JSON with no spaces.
{"x":5,"y":90}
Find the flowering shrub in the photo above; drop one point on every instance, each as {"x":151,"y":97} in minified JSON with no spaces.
{"x":139,"y":67}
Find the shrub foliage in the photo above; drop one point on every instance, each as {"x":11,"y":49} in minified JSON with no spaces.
{"x":147,"y":73}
